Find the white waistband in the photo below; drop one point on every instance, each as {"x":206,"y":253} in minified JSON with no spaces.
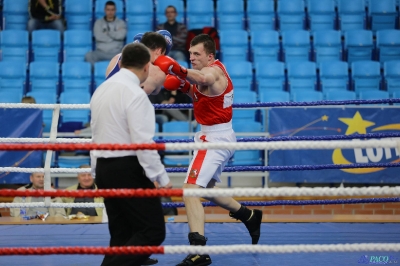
{"x":217,"y":127}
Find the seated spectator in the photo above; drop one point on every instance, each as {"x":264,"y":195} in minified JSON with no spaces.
{"x":179,"y":34}
{"x":109,"y":33}
{"x":45,"y":14}
{"x":28,"y":99}
{"x":37,"y":182}
{"x":85,"y":181}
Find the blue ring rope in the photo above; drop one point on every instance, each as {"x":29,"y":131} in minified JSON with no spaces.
{"x":282,"y":104}
{"x":292,"y":202}
{"x":289,"y":138}
{"x":292,"y":167}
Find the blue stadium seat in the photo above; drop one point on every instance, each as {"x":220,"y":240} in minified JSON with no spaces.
{"x":327,"y":46}
{"x":340,"y":95}
{"x":76,"y":76}
{"x":351,"y":15}
{"x":46,"y":45}
{"x":334,"y":76}
{"x":250,"y":157}
{"x":10,"y":96}
{"x":100,"y":5}
{"x":392,"y":76}
{"x":291,"y":15}
{"x":75,"y":97}
{"x":177,"y":158}
{"x":44,"y":76}
{"x":161,"y":5}
{"x":241,"y":74}
{"x":388,"y":45}
{"x":270,"y":76}
{"x":271,"y":96}
{"x":139,"y":17}
{"x":234,"y":45}
{"x":244,"y":97}
{"x":264,"y":45}
{"x":15,"y":14}
{"x":302,"y":76}
{"x":306,"y":96}
{"x":12,"y":76}
{"x":260,"y":15}
{"x":296,"y":45}
{"x":199,"y":14}
{"x":74,"y":161}
{"x":366,"y":75}
{"x":374,"y":95}
{"x":383,"y":14}
{"x":358,"y":45}
{"x":79,"y":14}
{"x":45,"y":97}
{"x":76,"y":44}
{"x":321,"y":14}
{"x":100,"y":72}
{"x":230,"y":14}
{"x":14,"y":45}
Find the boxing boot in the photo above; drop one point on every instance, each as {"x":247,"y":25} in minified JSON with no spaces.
{"x":252,"y":221}
{"x":195,"y":239}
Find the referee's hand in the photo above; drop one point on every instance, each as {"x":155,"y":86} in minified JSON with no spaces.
{"x":169,"y":185}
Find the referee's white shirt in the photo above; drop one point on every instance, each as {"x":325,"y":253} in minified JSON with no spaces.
{"x":122,"y":113}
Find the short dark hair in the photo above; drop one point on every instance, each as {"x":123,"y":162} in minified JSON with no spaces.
{"x":154,"y":40}
{"x":109,"y":3}
{"x":170,"y":6}
{"x":135,"y":55}
{"x":207,"y":41}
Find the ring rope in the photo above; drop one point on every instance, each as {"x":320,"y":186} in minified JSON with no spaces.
{"x":262,"y":139}
{"x":226,"y":169}
{"x":231,"y":192}
{"x":287,"y":145}
{"x":187,"y":106}
{"x":208,"y":204}
{"x":135,"y":250}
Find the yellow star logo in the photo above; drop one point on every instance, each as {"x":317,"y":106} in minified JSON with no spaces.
{"x":356,"y":124}
{"x":324,"y":118}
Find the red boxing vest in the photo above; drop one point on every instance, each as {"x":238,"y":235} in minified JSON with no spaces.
{"x":216,"y":109}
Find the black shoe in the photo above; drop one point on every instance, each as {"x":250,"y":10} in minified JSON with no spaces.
{"x":196,"y":260}
{"x":253,"y":224}
{"x":150,"y":261}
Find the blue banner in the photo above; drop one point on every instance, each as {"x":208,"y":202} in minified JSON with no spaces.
{"x":20,"y":123}
{"x":334,"y":121}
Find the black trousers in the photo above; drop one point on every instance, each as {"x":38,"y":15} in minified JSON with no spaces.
{"x":131,"y":221}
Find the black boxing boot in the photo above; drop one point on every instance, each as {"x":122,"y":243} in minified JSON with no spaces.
{"x":195,"y":239}
{"x":150,"y":261}
{"x":251,"y":219}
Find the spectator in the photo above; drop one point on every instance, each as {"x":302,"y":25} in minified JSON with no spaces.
{"x":37,"y":182}
{"x":110,"y":33}
{"x":85,"y":181}
{"x":45,"y":14}
{"x":28,"y":99}
{"x":179,"y":34}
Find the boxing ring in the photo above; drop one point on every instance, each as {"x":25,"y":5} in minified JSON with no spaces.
{"x":280,"y":243}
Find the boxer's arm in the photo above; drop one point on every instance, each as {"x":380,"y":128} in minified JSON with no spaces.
{"x":112,"y":64}
{"x":205,"y":77}
{"x":154,"y":82}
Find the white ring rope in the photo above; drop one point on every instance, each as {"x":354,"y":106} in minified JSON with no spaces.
{"x":44,"y":106}
{"x":220,"y":249}
{"x":52,"y":205}
{"x":44,"y":140}
{"x":290,"y":192}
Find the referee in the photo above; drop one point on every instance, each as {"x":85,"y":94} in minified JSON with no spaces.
{"x":122,"y":113}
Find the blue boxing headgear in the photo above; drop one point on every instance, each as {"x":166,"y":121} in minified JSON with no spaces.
{"x":168,"y":39}
{"x":137,"y":38}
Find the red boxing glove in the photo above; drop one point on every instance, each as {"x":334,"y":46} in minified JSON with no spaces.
{"x":173,"y":83}
{"x":170,"y":66}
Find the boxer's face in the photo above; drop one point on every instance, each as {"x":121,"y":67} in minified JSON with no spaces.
{"x":199,"y":57}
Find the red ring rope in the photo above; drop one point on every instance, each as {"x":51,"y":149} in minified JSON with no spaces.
{"x":80,"y":146}
{"x":106,"y":193}
{"x":132,"y":250}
